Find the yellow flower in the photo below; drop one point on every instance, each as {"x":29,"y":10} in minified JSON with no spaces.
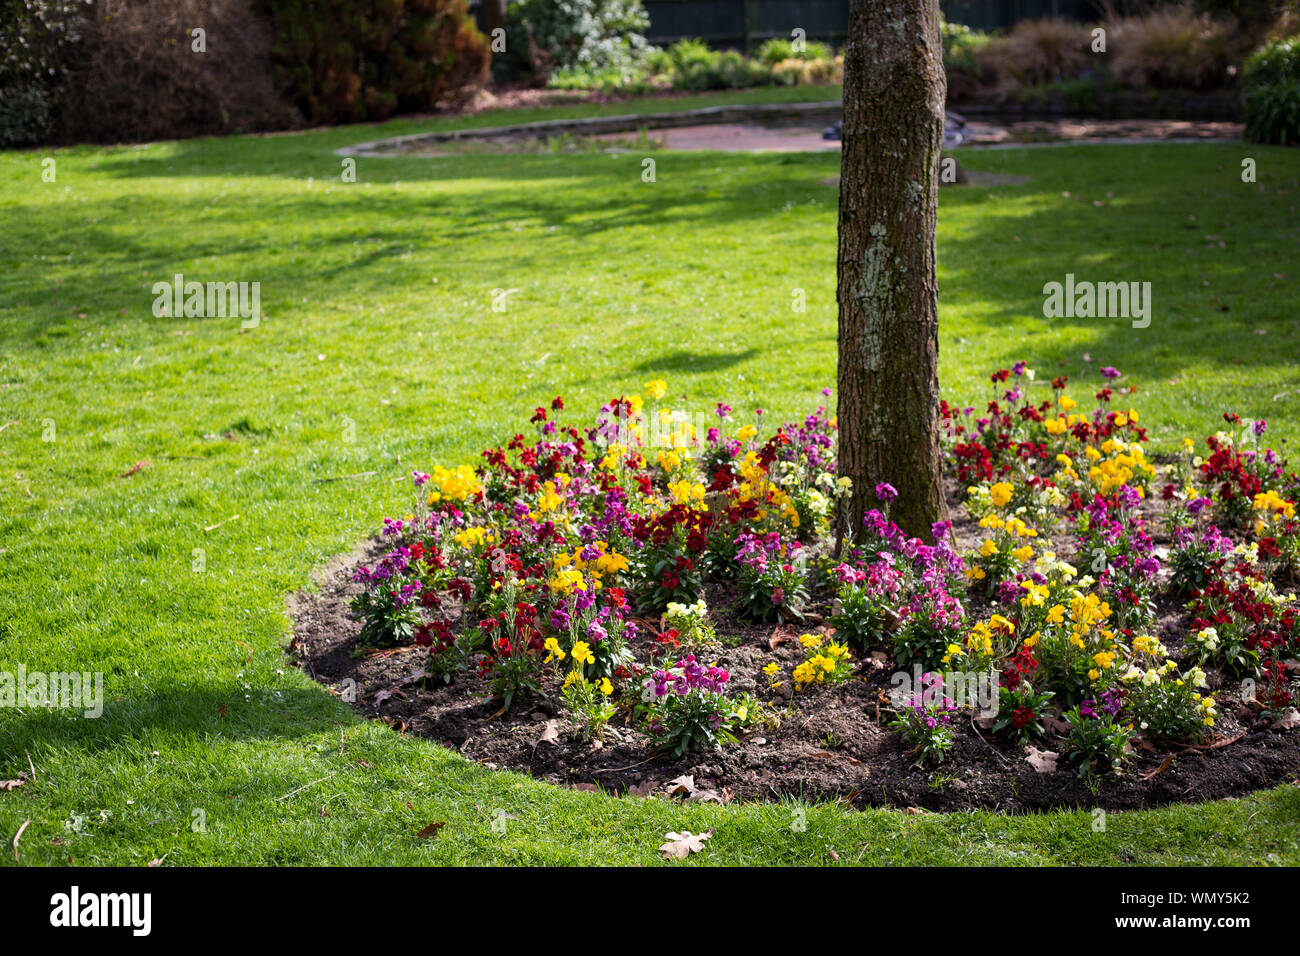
{"x":555,"y":653}
{"x":988,"y":548}
{"x":611,"y":563}
{"x":1056,"y":614}
{"x":772,"y":668}
{"x":582,"y":653}
{"x":1066,"y":402}
{"x":1023,"y":553}
{"x":606,"y":687}
{"x":1000,"y":493}
{"x":656,"y":388}
{"x":809,"y":640}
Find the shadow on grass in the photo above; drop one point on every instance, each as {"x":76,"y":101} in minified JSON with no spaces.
{"x":203,"y":710}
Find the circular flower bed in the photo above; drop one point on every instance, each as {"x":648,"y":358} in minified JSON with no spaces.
{"x":651,"y":602}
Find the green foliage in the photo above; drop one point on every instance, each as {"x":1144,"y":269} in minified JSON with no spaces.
{"x":35,"y":37}
{"x":1272,"y":81}
{"x":347,"y":62}
{"x":26,"y":116}
{"x":775,"y":50}
{"x":595,"y":37}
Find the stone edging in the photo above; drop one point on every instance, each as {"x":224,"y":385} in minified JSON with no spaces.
{"x":829,"y":110}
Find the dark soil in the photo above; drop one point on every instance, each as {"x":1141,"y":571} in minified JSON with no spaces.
{"x":832,"y":742}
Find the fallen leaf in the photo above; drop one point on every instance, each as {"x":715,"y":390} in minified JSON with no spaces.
{"x":914,"y":811}
{"x":1043,"y":761}
{"x":134,"y":469}
{"x":11,"y":784}
{"x":431,"y":830}
{"x":681,"y":845}
{"x":722,"y":797}
{"x":641,"y":789}
{"x":1288,"y":720}
{"x":551,"y":733}
{"x":1160,"y":769}
{"x":879,"y":660}
{"x":682,"y":785}
{"x":1056,"y":723}
{"x":781,"y":635}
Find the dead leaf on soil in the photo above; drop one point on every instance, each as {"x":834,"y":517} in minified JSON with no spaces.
{"x":684,"y":784}
{"x":1216,"y":743}
{"x":1160,"y":769}
{"x":431,"y":830}
{"x":641,"y":789}
{"x":550,"y":734}
{"x":1288,"y":720}
{"x":1058,"y":724}
{"x":681,"y":845}
{"x":879,"y":660}
{"x":780,"y":635}
{"x":1043,"y":761}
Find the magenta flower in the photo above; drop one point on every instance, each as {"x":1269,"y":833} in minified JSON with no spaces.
{"x":886,"y":492}
{"x":1110,"y":372}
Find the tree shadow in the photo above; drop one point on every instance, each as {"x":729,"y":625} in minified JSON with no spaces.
{"x":1200,"y":238}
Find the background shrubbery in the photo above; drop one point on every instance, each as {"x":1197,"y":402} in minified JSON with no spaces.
{"x":127,"y":70}
{"x":1272,"y":82}
{"x":592,"y":37}
{"x":347,"y":62}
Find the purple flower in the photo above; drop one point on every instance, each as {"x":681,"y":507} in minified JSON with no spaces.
{"x":419,"y":478}
{"x":886,"y":492}
{"x":1259,"y":426}
{"x":1110,"y":372}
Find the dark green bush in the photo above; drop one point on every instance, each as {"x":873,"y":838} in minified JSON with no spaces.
{"x":26,"y":116}
{"x":1271,"y":78}
{"x":33,"y":35}
{"x":348,"y":61}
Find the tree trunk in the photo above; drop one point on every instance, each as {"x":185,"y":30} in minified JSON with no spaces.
{"x":494,"y":16}
{"x":894,"y":91}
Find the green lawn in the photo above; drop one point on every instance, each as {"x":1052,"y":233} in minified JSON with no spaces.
{"x":377,"y":323}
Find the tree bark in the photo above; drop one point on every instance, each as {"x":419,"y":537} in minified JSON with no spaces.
{"x":894,"y":92}
{"x":494,"y":16}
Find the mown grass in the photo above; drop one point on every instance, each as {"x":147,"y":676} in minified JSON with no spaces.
{"x":377,"y":327}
